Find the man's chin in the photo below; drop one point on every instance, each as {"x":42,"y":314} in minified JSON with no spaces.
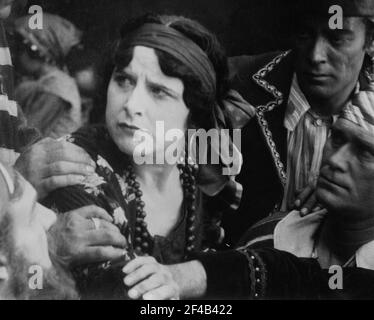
{"x":58,"y":284}
{"x":329,"y":199}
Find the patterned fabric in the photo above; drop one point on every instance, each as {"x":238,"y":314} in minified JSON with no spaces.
{"x":107,"y":188}
{"x":272,"y":274}
{"x":361,"y":111}
{"x":307,"y":135}
{"x":14,"y":134}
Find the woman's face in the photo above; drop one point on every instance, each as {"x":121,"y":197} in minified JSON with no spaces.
{"x":141,"y":95}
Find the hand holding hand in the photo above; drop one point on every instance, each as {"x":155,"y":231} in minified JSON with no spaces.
{"x":150,"y":280}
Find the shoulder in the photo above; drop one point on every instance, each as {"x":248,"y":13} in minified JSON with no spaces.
{"x":97,"y":142}
{"x":261,"y":235}
{"x":242,"y":66}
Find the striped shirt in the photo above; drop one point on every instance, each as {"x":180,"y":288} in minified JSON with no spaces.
{"x":14,"y":134}
{"x":307,"y":135}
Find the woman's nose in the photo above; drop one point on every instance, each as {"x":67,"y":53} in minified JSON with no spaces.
{"x":136,"y":101}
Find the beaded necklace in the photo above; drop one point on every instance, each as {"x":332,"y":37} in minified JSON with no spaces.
{"x":142,"y":239}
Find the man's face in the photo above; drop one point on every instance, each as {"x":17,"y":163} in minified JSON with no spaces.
{"x":346,"y":182}
{"x":24,"y":242}
{"x":329,"y":61}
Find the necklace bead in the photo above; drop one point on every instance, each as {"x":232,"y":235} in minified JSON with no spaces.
{"x":188,"y":180}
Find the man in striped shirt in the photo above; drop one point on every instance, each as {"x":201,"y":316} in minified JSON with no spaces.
{"x":297,"y":96}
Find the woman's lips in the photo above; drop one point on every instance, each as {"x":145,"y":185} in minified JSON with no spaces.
{"x":130,"y":127}
{"x":125,"y":125}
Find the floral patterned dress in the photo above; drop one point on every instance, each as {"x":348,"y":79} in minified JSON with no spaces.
{"x":107,"y":189}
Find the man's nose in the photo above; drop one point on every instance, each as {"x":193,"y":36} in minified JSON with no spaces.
{"x":318,"y":51}
{"x":338,"y":160}
{"x":45,"y":216}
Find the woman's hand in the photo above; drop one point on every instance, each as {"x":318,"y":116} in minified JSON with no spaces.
{"x":150,"y":280}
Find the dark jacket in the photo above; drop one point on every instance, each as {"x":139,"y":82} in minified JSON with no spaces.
{"x":265,"y":82}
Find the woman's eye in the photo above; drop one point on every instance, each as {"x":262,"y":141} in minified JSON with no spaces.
{"x":123,"y":81}
{"x":158,"y":92}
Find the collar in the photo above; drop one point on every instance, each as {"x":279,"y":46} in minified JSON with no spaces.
{"x":297,"y":105}
{"x":364,"y":256}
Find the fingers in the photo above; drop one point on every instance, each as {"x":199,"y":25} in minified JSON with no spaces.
{"x":153,"y":282}
{"x":140,"y":273}
{"x":136,"y":263}
{"x":99,"y":254}
{"x":303,"y":196}
{"x":60,"y":168}
{"x":103,"y":237}
{"x":56,"y":182}
{"x":105,"y":225}
{"x":66,"y":151}
{"x":308,"y":206}
{"x":167,"y":292}
{"x":93,"y":212}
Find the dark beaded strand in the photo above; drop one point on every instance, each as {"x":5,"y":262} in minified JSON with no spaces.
{"x":142,"y":239}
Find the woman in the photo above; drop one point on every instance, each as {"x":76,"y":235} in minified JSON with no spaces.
{"x":51,"y":100}
{"x":167,"y":70}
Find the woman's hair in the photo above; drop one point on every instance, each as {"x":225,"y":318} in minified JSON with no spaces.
{"x":200,"y":103}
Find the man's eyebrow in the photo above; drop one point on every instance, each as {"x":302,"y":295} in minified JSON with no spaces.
{"x":365,"y":143}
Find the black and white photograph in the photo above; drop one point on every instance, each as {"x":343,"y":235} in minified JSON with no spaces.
{"x":204,"y":151}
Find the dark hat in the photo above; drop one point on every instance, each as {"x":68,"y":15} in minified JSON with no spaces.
{"x":351,"y":8}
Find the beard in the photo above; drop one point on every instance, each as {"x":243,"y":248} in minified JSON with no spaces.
{"x":57,"y":283}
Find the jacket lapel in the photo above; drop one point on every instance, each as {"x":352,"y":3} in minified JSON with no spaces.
{"x":275,"y":79}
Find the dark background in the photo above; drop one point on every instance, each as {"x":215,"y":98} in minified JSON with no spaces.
{"x":243,"y":26}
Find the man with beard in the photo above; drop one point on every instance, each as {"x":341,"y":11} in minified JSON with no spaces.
{"x":297,"y":96}
{"x":34,"y":242}
{"x":23,"y":244}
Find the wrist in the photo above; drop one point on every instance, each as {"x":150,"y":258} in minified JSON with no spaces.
{"x":190,"y":278}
